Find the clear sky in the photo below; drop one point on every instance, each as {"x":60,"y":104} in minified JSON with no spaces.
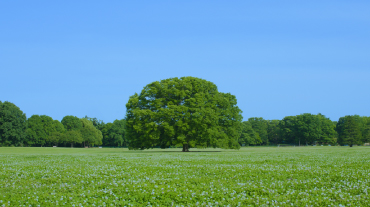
{"x":279,"y":58}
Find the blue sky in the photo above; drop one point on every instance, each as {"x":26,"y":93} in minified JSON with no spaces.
{"x":279,"y":58}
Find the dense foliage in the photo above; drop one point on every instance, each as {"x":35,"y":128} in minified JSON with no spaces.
{"x":248,"y":135}
{"x":43,"y":130}
{"x":304,"y":129}
{"x":114,"y":134}
{"x":187,"y":112}
{"x":308,"y":129}
{"x":12,"y":125}
{"x":289,"y":176}
{"x":349,"y":130}
{"x":180,"y":112}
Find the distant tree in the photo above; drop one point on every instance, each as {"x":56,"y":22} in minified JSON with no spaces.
{"x":114,"y":133}
{"x":73,"y":126}
{"x":58,"y":126}
{"x":327,"y":134}
{"x":55,"y":132}
{"x":96,"y":122}
{"x":71,"y":123}
{"x":36,"y":134}
{"x":340,"y":130}
{"x":56,"y":137}
{"x":349,"y":132}
{"x":260,"y":126}
{"x":248,"y":136}
{"x":288,"y":129}
{"x":336,"y":133}
{"x":90,"y":134}
{"x":366,"y":130}
{"x":12,"y":124}
{"x":109,"y":138}
{"x":308,"y":128}
{"x":187,"y":112}
{"x":72,"y":137}
{"x":364,"y":124}
{"x":273,"y":131}
{"x":40,"y":130}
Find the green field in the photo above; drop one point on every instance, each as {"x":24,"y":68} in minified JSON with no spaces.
{"x":256,"y":176}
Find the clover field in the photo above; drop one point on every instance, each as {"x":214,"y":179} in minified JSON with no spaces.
{"x":255,"y":176}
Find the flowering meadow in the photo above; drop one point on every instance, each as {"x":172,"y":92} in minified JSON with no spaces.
{"x":252,"y":176}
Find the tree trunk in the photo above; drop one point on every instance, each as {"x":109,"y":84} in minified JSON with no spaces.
{"x":71,"y":145}
{"x":185,"y":148}
{"x":350,"y":145}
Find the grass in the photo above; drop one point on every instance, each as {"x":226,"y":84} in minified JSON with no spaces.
{"x":263,"y":176}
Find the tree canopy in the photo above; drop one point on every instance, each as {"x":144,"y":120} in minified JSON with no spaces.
{"x":180,"y":112}
{"x":273,"y":131}
{"x":114,"y":133}
{"x":81,"y":131}
{"x":12,"y":124}
{"x":90,"y":135}
{"x":349,"y":131}
{"x":187,"y":111}
{"x":260,"y":126}
{"x":248,"y":136}
{"x":43,"y":129}
{"x":72,"y":125}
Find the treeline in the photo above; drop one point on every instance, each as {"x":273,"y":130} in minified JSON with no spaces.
{"x":43,"y":131}
{"x":304,"y":129}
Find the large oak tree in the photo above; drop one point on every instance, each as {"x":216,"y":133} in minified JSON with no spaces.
{"x":187,"y":112}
